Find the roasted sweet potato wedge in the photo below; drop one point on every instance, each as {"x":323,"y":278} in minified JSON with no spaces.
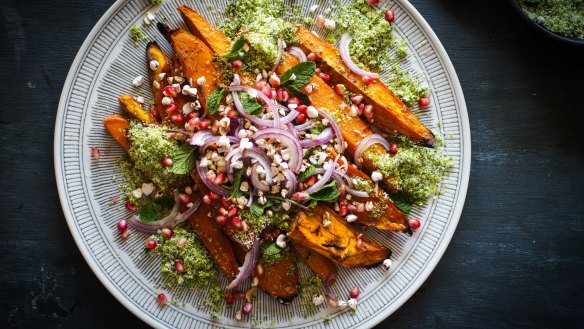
{"x":196,"y":59}
{"x":323,"y":96}
{"x":323,"y":267}
{"x":116,"y":126}
{"x":135,"y":109}
{"x":157,"y":81}
{"x":391,"y":114}
{"x":215,"y":241}
{"x":338,"y":242}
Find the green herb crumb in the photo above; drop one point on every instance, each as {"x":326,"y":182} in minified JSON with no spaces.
{"x":564,"y":17}
{"x":136,"y":34}
{"x":156,"y":2}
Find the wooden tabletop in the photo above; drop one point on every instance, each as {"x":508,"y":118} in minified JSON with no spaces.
{"x":516,"y":260}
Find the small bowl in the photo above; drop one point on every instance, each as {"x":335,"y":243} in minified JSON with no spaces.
{"x":572,"y":40}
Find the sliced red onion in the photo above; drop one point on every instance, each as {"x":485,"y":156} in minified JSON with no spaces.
{"x":324,"y":137}
{"x":366,"y":143}
{"x":215,"y":139}
{"x":357,"y":193}
{"x":336,"y":129}
{"x":255,"y":179}
{"x":260,"y":122}
{"x":202,"y":171}
{"x":293,"y":131}
{"x":248,"y":266}
{"x":332,"y":299}
{"x":187,"y":213}
{"x":232,"y":153}
{"x":199,"y":137}
{"x":287,"y":139}
{"x":289,"y":117}
{"x":297,"y":52}
{"x":346,"y":56}
{"x":257,"y":154}
{"x":291,"y":182}
{"x":250,"y":200}
{"x":280,"y":51}
{"x":234,"y":126}
{"x":172,"y":219}
{"x":325,"y":178}
{"x":346,"y":180}
{"x":305,"y":126}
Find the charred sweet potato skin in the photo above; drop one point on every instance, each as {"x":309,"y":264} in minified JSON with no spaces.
{"x":391,"y":114}
{"x":135,"y":109}
{"x":116,"y":125}
{"x":337,"y":242}
{"x":323,"y":267}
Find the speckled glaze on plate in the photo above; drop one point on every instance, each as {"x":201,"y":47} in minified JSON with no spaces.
{"x":105,"y":67}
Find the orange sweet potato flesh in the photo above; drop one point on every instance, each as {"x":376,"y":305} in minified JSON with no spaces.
{"x":323,"y":267}
{"x":154,"y":53}
{"x":391,"y":114}
{"x":337,"y":242}
{"x":323,"y":96}
{"x":135,"y":109}
{"x":116,"y":126}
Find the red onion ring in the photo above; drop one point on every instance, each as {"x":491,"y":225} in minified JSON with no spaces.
{"x":325,"y":178}
{"x":287,"y":139}
{"x":336,"y":129}
{"x":248,"y":266}
{"x":291,"y":182}
{"x":250,"y":200}
{"x":198,"y":139}
{"x":257,"y":154}
{"x":255,"y":179}
{"x":215,"y":139}
{"x":260,"y":122}
{"x":366,"y":143}
{"x":305,"y":126}
{"x":297,"y":52}
{"x":346,"y":56}
{"x":280,"y":51}
{"x":357,"y":193}
{"x":324,"y":137}
{"x":202,"y":171}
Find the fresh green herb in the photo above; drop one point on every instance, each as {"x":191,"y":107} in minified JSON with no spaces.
{"x":258,"y":209}
{"x":214,"y":100}
{"x":271,"y":253}
{"x":302,"y":72}
{"x":136,"y":34}
{"x":328,"y":192}
{"x":309,"y":287}
{"x":183,"y":160}
{"x":236,"y":48}
{"x":564,"y":17}
{"x":156,"y":209}
{"x":250,"y":105}
{"x":236,"y":192}
{"x":306,"y":173}
{"x":296,"y":92}
{"x":402,"y":202}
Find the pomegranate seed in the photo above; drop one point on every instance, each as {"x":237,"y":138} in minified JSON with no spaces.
{"x":125,"y":234}
{"x":357,"y":99}
{"x":154,"y":112}
{"x":260,"y":84}
{"x":367,"y":79}
{"x":325,"y":77}
{"x":151,"y":244}
{"x":415,"y":224}
{"x":232,"y":212}
{"x":282,"y":95}
{"x":213,"y":195}
{"x":166,"y":162}
{"x":130,"y":206}
{"x":267,"y":91}
{"x":389,"y":15}
{"x":236,"y":221}
{"x":300,"y":196}
{"x":167,"y":232}
{"x":171,"y":109}
{"x":236,"y":64}
{"x":247,"y":307}
{"x":368,"y":112}
{"x":220,"y":179}
{"x":310,"y":181}
{"x":184,"y":198}
{"x":355,"y":292}
{"x":222,"y":220}
{"x":179,"y":266}
{"x":232,"y":114}
{"x":191,"y":116}
{"x":204,"y":124}
{"x":361,"y":108}
{"x":359,"y":243}
{"x":276,"y":233}
{"x":311,"y":57}
{"x":161,"y":298}
{"x":373,"y":2}
{"x":294,"y":100}
{"x":95,"y":153}
{"x":302,"y":108}
{"x":300,"y":119}
{"x":169,"y":91}
{"x":340,"y":89}
{"x":193,"y":123}
{"x":424,"y":102}
{"x":225,"y":202}
{"x":122,"y":225}
{"x":206,"y":200}
{"x":229,"y":299}
{"x":178,"y":119}
{"x":393,"y":149}
{"x":343,"y":210}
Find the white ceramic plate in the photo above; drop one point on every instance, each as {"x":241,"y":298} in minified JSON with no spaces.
{"x":105,"y":67}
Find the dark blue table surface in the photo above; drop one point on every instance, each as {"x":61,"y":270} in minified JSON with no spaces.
{"x":516,"y":260}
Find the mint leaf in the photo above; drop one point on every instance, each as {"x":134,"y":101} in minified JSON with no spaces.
{"x":235,"y":49}
{"x":183,"y":160}
{"x":306,"y":173}
{"x":236,"y":192}
{"x":298,"y":94}
{"x":328,"y":192}
{"x":156,"y":209}
{"x":258,"y":209}
{"x":214,"y":100}
{"x":402,"y":202}
{"x":303,"y":73}
{"x":250,"y":105}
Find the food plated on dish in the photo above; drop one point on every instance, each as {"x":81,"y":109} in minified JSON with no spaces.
{"x":265,"y":145}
